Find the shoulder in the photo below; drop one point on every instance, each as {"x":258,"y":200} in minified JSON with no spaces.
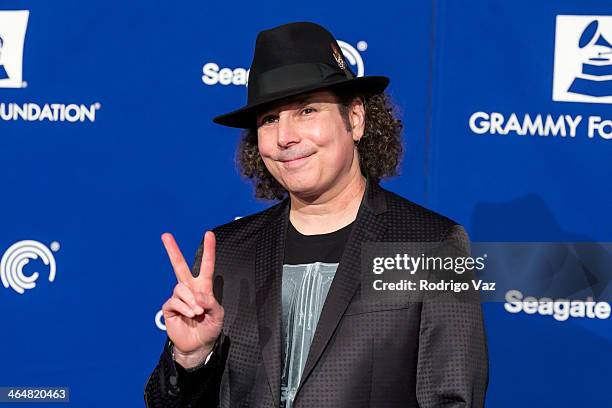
{"x":245,"y":228}
{"x":406,"y":219}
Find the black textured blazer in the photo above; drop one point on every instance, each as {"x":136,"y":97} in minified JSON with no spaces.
{"x":416,"y":354}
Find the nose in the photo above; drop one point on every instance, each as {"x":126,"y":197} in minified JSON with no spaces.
{"x":287,"y":132}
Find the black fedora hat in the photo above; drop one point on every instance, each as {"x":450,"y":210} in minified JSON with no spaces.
{"x":293,"y":59}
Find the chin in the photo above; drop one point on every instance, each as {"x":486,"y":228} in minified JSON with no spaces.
{"x":297,"y":184}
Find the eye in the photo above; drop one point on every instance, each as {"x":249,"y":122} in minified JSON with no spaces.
{"x":268,"y":119}
{"x":308,"y":110}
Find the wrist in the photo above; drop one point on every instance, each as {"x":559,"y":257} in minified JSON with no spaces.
{"x":190,"y":359}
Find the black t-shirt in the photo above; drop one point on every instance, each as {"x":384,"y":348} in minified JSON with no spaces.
{"x":301,"y":249}
{"x":310,"y":263}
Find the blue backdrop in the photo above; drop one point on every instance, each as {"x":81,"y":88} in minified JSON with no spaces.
{"x":107,"y":141}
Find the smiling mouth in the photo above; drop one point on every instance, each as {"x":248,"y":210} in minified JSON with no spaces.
{"x":297,"y":158}
{"x":292,"y":160}
{"x":295,"y":161}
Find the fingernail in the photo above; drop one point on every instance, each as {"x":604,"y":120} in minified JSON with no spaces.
{"x":198,"y":310}
{"x":190,"y":313}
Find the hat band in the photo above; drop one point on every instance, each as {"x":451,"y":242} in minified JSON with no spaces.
{"x":293,"y":76}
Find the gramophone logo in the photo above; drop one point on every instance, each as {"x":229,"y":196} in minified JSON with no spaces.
{"x":13,"y":25}
{"x":18,"y":256}
{"x":583,"y":59}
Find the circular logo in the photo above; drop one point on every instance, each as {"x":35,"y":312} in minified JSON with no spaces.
{"x":353,"y":57}
{"x":17,"y":257}
{"x":160,"y":322}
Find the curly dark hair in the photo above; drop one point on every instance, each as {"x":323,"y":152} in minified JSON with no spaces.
{"x":379,"y":150}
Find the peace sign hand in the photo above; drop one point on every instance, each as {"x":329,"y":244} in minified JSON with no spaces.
{"x":193,"y":316}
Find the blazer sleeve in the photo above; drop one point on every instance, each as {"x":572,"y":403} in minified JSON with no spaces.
{"x":170,"y":385}
{"x":452,"y":367}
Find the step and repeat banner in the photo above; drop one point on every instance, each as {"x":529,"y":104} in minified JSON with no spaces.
{"x":107,"y":142}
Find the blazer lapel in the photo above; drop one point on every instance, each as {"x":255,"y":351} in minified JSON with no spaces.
{"x":268,"y":284}
{"x":368,"y":227}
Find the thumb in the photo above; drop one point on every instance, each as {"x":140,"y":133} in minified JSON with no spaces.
{"x":210,"y":304}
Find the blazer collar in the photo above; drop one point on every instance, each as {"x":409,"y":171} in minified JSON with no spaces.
{"x":374,"y":197}
{"x":368,"y":227}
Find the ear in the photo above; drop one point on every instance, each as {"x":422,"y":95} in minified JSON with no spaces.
{"x":357,"y":118}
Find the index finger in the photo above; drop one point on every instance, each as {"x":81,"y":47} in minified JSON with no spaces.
{"x":181,"y":269}
{"x":207,"y":265}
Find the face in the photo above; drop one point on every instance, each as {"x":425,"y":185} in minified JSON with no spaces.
{"x":305,"y":144}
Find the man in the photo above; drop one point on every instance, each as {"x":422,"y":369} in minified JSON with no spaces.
{"x":272,"y":314}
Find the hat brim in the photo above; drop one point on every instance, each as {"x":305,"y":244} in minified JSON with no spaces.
{"x":245,"y":117}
